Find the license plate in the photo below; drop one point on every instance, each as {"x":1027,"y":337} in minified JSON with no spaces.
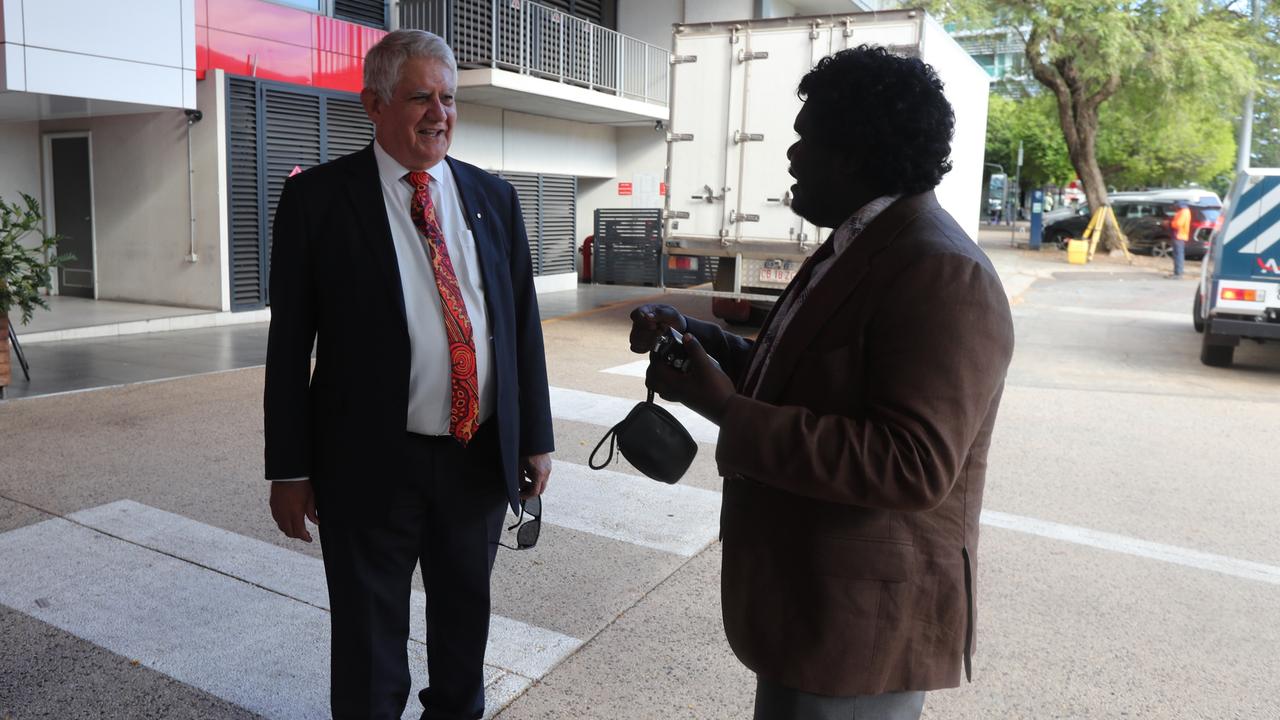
{"x":778,"y":271}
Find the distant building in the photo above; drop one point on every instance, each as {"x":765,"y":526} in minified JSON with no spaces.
{"x":1000,"y":51}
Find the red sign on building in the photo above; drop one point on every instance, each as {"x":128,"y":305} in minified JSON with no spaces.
{"x":624,"y":188}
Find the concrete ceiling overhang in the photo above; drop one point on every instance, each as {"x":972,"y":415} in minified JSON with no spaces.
{"x":18,"y":106}
{"x":550,"y":98}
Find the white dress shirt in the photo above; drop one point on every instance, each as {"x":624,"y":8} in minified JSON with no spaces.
{"x":430,"y":389}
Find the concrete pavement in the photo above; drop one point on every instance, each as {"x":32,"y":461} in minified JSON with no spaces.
{"x":1129,"y":565}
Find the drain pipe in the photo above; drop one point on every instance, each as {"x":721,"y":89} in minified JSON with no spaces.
{"x":193,"y":117}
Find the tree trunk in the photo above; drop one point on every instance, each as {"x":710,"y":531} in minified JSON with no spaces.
{"x":5,"y":363}
{"x":1082,"y":149}
{"x":1078,"y":117}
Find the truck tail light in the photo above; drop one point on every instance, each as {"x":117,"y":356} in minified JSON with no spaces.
{"x":1242,"y":294}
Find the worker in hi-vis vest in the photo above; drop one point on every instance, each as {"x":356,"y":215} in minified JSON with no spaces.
{"x":1180,"y":226}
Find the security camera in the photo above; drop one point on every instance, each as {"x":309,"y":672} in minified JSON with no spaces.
{"x":193,"y":116}
{"x":659,"y":126}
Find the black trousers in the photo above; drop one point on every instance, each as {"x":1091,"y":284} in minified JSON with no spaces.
{"x":445,"y":514}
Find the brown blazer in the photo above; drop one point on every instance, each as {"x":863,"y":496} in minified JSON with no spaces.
{"x":854,"y":471}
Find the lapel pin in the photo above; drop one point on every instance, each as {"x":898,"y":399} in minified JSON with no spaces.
{"x":477,"y":216}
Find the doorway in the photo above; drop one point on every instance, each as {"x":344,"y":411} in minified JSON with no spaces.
{"x":69,"y":200}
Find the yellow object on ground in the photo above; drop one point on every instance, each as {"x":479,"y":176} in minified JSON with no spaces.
{"x":1077,"y":252}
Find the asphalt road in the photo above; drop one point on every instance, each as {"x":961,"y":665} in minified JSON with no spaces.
{"x":1130,"y":560}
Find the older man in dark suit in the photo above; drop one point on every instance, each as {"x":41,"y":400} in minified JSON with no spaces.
{"x":854,"y":432}
{"x":427,"y":412}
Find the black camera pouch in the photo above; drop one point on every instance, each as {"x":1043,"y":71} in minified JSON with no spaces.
{"x":652,"y":440}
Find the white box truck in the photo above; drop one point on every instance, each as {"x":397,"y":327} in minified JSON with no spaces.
{"x":733,"y":100}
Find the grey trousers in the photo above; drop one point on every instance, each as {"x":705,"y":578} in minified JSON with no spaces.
{"x":776,"y":702}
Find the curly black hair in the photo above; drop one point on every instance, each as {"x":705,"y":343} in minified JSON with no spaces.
{"x":886,"y":109}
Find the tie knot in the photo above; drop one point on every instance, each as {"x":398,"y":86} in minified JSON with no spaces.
{"x":419,"y":178}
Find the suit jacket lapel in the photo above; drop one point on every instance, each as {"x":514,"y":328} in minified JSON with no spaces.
{"x":840,"y":281}
{"x":365,"y":189}
{"x":473,"y":211}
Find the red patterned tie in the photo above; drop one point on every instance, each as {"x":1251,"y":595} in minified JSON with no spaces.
{"x":464,"y":408}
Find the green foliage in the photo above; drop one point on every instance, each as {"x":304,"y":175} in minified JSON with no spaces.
{"x":1182,"y":141}
{"x":1144,"y":91}
{"x":1033,"y":121}
{"x":25,"y":269}
{"x":1265,"y":151}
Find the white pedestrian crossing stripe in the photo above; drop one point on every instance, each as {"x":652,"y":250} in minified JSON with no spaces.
{"x":242,"y":619}
{"x":606,"y":410}
{"x":631,"y":369}
{"x":673,"y":518}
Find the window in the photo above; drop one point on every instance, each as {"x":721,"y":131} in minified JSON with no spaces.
{"x":315,"y":6}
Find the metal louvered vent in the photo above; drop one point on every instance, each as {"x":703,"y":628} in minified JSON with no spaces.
{"x":559,"y":193}
{"x":248,"y":261}
{"x":291,"y":139}
{"x":365,"y":12}
{"x":548,"y":203}
{"x":589,"y":10}
{"x":526,"y":185}
{"x":271,"y":130}
{"x":347,"y":126}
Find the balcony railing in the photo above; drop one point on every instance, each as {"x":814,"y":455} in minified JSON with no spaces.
{"x":540,"y":41}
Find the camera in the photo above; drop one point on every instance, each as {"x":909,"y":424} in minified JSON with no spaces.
{"x":669,"y":348}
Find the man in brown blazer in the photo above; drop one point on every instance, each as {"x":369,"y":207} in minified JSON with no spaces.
{"x":854,"y":432}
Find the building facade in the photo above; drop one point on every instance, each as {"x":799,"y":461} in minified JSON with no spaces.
{"x":158,"y":138}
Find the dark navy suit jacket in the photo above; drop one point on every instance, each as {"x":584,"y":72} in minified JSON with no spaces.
{"x":335,"y":282}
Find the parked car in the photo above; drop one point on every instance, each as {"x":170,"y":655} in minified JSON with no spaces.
{"x":1065,"y":212}
{"x":1144,"y":218}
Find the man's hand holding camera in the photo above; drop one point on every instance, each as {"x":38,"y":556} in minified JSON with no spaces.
{"x":680,"y":370}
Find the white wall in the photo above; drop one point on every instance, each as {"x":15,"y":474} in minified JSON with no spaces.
{"x":697,"y":11}
{"x":20,"y":169}
{"x":141,"y":212}
{"x":649,"y":21}
{"x":144,"y":53}
{"x":781,"y":8}
{"x":642,"y":161}
{"x":967,"y":88}
{"x":502,"y":140}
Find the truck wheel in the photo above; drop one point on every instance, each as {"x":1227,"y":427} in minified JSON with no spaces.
{"x":1197,"y":321}
{"x":1215,"y":355}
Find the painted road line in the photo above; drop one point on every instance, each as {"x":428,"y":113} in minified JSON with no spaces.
{"x":1133,"y":546}
{"x":518,"y":648}
{"x":606,"y":411}
{"x":1177,"y":318}
{"x":257,"y":649}
{"x":632,"y":508}
{"x":632,"y":369}
{"x":517,"y":654}
{"x":603,"y":409}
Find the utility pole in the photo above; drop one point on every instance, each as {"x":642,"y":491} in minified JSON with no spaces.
{"x":1245,"y":150}
{"x":1017,"y":198}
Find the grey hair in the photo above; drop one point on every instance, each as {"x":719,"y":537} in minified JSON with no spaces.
{"x":382,"y":64}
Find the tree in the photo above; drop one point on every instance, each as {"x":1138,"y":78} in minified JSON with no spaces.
{"x":1030,"y":122}
{"x":1265,"y":151}
{"x":1085,"y":51}
{"x":1165,"y":140}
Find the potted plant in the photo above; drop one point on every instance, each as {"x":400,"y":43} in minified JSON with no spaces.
{"x":25,"y":269}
